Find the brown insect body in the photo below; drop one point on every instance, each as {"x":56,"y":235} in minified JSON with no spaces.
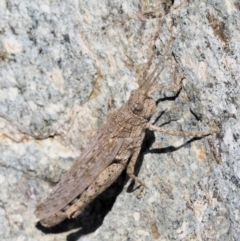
{"x":116,"y":140}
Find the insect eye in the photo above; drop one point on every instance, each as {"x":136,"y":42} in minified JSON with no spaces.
{"x":138,"y":106}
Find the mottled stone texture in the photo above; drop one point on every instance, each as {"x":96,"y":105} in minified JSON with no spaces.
{"x":60,"y":64}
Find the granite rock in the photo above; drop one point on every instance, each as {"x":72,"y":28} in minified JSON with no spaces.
{"x":61,"y":63}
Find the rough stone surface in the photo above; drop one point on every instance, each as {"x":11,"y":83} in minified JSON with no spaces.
{"x":60,"y":64}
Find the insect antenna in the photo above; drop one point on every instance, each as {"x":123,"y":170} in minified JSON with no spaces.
{"x":150,"y":81}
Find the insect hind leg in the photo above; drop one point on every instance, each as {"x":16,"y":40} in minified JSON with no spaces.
{"x":103,"y":181}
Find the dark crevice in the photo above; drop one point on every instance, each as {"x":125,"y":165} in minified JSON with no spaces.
{"x":168,"y":98}
{"x":198,"y":117}
{"x":168,"y":122}
{"x":159,"y":116}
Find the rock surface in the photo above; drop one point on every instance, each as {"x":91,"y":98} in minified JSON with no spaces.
{"x":61,"y":63}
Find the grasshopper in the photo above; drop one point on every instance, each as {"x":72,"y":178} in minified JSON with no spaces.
{"x":115,"y":147}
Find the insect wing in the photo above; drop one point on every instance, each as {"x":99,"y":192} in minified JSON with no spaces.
{"x":99,"y":153}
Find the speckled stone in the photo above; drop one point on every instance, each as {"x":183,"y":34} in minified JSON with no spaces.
{"x":61,"y":63}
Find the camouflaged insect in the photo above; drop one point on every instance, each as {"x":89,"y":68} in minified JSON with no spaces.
{"x":115,"y":147}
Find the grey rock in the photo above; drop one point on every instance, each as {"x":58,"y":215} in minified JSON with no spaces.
{"x":62,"y":61}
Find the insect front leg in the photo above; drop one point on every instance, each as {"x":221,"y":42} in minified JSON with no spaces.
{"x":103,"y":181}
{"x":130,"y":171}
{"x":178,"y":133}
